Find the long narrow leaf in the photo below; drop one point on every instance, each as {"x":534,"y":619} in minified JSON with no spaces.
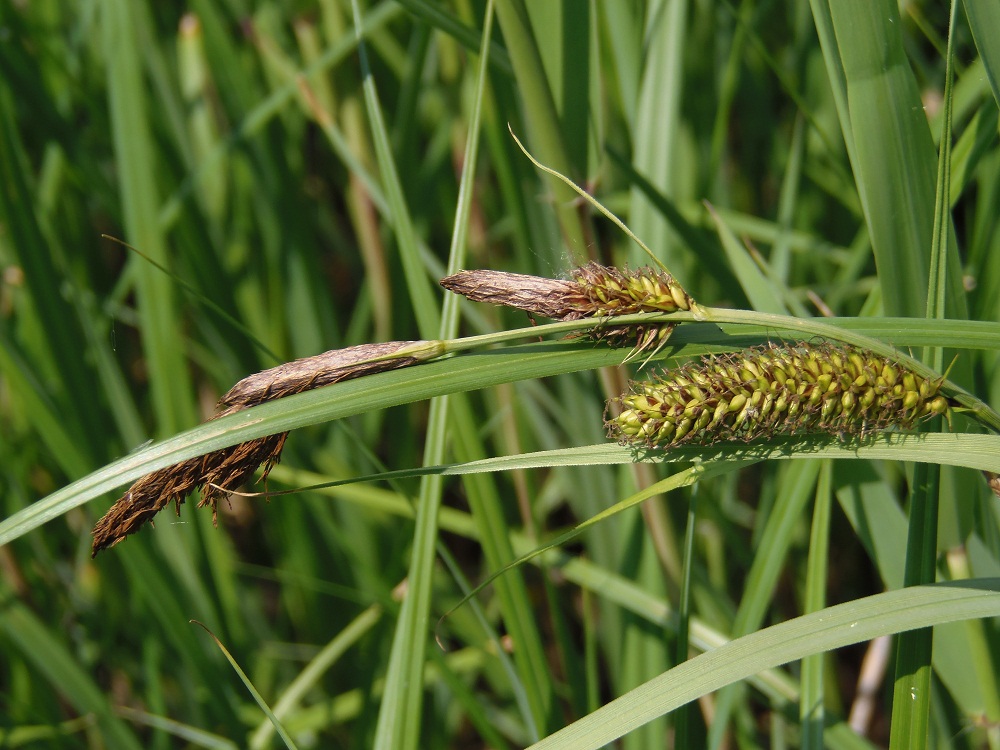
{"x":815,"y":633}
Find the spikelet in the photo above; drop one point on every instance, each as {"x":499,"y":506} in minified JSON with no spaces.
{"x":592,"y":290}
{"x":612,"y":291}
{"x":774,"y":390}
{"x":222,"y":471}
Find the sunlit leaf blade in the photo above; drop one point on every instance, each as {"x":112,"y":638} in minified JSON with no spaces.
{"x":815,"y":633}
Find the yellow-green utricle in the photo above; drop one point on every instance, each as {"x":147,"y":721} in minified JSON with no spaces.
{"x":774,"y":390}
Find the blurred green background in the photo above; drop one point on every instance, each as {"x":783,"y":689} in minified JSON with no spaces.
{"x":235,"y":145}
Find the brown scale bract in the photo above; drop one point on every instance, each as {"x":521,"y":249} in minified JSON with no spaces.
{"x":223,"y":471}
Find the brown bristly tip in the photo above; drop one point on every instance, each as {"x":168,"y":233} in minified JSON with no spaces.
{"x":229,"y":468}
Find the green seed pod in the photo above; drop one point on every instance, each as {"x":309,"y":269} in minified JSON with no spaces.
{"x":937,"y":405}
{"x":736,"y":403}
{"x":790,"y":389}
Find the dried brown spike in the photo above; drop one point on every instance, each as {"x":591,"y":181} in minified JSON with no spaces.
{"x":552,"y":298}
{"x":227,"y":469}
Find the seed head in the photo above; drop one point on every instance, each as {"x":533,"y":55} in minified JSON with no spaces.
{"x":785,"y":390}
{"x":592,"y":290}
{"x":609,"y":291}
{"x":220,"y":472}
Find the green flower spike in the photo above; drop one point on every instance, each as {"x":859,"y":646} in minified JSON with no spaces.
{"x":791,"y":389}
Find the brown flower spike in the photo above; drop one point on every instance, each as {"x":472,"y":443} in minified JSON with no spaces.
{"x":225,"y":470}
{"x":592,"y":290}
{"x":775,"y":390}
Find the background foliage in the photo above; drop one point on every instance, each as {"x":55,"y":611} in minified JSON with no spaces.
{"x":778,"y":156}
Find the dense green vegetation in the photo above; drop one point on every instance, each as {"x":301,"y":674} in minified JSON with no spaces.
{"x":289,"y":191}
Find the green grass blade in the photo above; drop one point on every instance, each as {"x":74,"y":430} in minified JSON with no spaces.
{"x":971,"y":451}
{"x":470,"y":38}
{"x":534,"y":681}
{"x":894,"y":151}
{"x":983,"y":17}
{"x":195,"y":737}
{"x":264,"y":112}
{"x":399,"y":717}
{"x":911,"y":704}
{"x":313,"y":672}
{"x":912,"y":689}
{"x":170,"y":382}
{"x":657,"y":131}
{"x":759,"y":289}
{"x":424,"y":305}
{"x":797,"y":488}
{"x":542,"y":116}
{"x":520,"y":618}
{"x":812,"y":711}
{"x":258,"y":699}
{"x":566,"y":59}
{"x":36,"y":643}
{"x":56,"y":348}
{"x":814,"y":633}
{"x":684,"y":719}
{"x":47,"y":418}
